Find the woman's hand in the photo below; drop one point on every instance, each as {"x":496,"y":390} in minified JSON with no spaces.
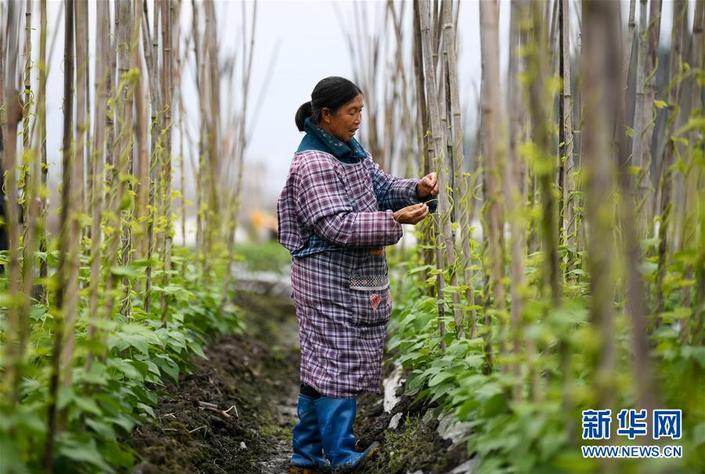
{"x":428,"y":186}
{"x":411,"y":214}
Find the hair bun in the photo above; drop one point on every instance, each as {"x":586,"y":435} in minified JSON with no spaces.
{"x":302,"y":114}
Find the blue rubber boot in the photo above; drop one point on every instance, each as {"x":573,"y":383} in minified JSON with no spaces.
{"x":307,"y":454}
{"x":335,"y":420}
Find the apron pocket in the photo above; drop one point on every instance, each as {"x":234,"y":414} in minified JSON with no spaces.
{"x":370,"y":307}
{"x":369,"y":291}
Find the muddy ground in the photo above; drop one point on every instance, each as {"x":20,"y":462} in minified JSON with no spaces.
{"x":235,"y":411}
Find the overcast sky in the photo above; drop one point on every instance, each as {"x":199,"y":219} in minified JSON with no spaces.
{"x":311,"y":45}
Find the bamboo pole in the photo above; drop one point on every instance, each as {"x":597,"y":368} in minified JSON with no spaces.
{"x":213,"y":137}
{"x":182,"y":159}
{"x":13,"y":115}
{"x":76,"y":195}
{"x":692,"y":98}
{"x":628,"y":53}
{"x":200,"y":87}
{"x":166,"y":83}
{"x":458,"y":135}
{"x":679,"y":196}
{"x":646,"y":119}
{"x":143,"y":156}
{"x":635,"y":306}
{"x":553,"y":8}
{"x":641,"y":107}
{"x":494,"y":152}
{"x":42,"y":120}
{"x":67,"y":242}
{"x":32,"y":204}
{"x":435,"y":148}
{"x":151,"y":45}
{"x":3,"y":212}
{"x":443,"y":230}
{"x":514,"y":189}
{"x":122,"y":133}
{"x":87,"y":174}
{"x":566,"y":135}
{"x":666,"y":172}
{"x":82,"y":118}
{"x":424,"y":144}
{"x":545,"y":169}
{"x":436,"y":35}
{"x":696,"y":325}
{"x":600,"y":64}
{"x":111,"y":225}
{"x":125,"y":144}
{"x":102,"y":91}
{"x":455,"y":151}
{"x":28,"y":102}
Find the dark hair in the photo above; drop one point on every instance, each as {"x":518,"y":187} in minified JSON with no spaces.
{"x":330,"y":92}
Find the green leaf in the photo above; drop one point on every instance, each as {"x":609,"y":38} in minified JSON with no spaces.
{"x":147,"y":409}
{"x":124,"y":422}
{"x":124,"y":366}
{"x":134,"y":335}
{"x":124,"y":271}
{"x":104,"y":429}
{"x":87,"y":405}
{"x":84,"y":452}
{"x":439,"y":378}
{"x":474,"y":361}
{"x":168,"y":366}
{"x":488,"y":390}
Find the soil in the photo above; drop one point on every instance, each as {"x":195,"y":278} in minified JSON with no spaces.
{"x":234,"y":412}
{"x":414,"y":446}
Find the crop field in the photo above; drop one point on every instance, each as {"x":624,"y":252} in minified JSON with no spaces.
{"x":550,"y":310}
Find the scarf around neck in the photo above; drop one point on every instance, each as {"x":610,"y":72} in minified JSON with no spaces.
{"x":317,"y":138}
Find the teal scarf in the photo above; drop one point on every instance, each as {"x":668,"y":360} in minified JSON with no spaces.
{"x":318,"y":139}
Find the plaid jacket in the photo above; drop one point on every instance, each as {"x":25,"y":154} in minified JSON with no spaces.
{"x":331,"y":214}
{"x":316,"y":208}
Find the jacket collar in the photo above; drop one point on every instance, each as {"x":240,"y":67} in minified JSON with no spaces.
{"x":318,"y":139}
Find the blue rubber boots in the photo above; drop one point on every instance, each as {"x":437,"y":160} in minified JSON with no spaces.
{"x":307,"y":457}
{"x":326,"y":426}
{"x":335,"y":421}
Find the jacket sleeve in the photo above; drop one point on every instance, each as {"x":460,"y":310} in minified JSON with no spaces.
{"x":392,"y":192}
{"x":325,"y":206}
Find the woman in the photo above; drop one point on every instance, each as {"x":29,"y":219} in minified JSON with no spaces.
{"x":336,"y":213}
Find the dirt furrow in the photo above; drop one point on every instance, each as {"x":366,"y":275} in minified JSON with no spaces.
{"x":235,"y":411}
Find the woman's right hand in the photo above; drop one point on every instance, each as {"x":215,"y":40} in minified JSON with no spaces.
{"x":411,"y":214}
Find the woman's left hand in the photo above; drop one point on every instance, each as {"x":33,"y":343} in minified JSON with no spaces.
{"x":428,"y":186}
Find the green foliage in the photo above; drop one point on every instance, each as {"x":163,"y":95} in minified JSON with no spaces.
{"x":536,"y":432}
{"x":110,"y":396}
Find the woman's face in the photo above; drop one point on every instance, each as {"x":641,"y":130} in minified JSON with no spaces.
{"x":345,"y":121}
